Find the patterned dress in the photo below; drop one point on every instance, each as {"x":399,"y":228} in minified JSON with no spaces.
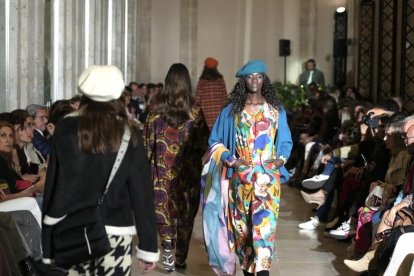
{"x":175,"y":156}
{"x":255,"y":190}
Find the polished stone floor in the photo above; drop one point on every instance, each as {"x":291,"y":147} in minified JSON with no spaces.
{"x":299,"y":252}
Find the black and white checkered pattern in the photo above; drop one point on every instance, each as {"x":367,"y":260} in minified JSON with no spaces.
{"x":117,"y":262}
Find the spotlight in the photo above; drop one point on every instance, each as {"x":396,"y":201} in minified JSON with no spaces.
{"x":340,"y":10}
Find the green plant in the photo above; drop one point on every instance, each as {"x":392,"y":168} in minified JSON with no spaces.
{"x":292,"y":96}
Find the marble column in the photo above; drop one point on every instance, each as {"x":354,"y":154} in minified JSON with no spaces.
{"x":188,"y":36}
{"x":308,"y":23}
{"x":142,"y":42}
{"x":22,"y":52}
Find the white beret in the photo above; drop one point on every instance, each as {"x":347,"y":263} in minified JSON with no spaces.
{"x":101,"y":83}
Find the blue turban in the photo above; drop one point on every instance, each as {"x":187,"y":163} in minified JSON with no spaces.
{"x":253,"y":66}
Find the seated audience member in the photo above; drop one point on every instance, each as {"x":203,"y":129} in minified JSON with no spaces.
{"x":390,"y":218}
{"x":371,"y":165}
{"x":23,"y":124}
{"x":40,"y":136}
{"x":58,"y":111}
{"x":19,"y":193}
{"x":388,"y":189}
{"x":326,"y":183}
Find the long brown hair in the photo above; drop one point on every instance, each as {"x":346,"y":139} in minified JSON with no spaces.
{"x":8,"y":156}
{"x":101,"y":126}
{"x":175,"y":102}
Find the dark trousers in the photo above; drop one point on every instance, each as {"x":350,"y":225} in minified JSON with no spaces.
{"x":31,"y":231}
{"x":331,"y":185}
{"x":12,"y":241}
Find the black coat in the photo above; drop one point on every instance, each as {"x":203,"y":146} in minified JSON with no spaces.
{"x":76,"y":180}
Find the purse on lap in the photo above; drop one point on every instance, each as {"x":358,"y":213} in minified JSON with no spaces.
{"x":81,"y":236}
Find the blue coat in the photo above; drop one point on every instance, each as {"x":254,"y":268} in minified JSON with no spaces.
{"x":224,"y":131}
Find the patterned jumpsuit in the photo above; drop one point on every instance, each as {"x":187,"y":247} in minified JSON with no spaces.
{"x":255,"y":190}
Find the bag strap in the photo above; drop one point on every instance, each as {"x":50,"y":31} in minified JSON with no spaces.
{"x":119,"y":157}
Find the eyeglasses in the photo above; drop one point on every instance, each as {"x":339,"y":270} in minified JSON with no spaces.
{"x":6,"y":135}
{"x":43,"y":118}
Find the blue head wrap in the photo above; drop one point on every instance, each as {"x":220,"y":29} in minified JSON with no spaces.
{"x":253,"y":66}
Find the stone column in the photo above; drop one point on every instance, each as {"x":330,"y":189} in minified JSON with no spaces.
{"x":4,"y":87}
{"x":188,"y":36}
{"x":143,"y":41}
{"x":22,"y":49}
{"x":308,"y":22}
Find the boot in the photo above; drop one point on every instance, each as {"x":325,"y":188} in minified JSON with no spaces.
{"x":362,"y":264}
{"x":27,"y":268}
{"x":168,"y":260}
{"x":245,"y":273}
{"x":179,"y":263}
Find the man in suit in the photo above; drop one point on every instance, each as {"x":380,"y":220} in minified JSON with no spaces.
{"x":311,"y":74}
{"x":40,"y":136}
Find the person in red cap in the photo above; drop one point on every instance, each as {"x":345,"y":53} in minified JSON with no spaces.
{"x":211,"y":91}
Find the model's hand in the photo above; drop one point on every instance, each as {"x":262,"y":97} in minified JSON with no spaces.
{"x":239,"y":164}
{"x":145,"y":266}
{"x":278,"y":163}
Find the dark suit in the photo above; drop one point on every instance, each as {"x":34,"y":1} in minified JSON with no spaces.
{"x":41,"y":143}
{"x":317,"y":77}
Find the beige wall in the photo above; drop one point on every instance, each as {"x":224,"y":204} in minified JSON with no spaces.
{"x":235,"y":31}
{"x":149,"y":35}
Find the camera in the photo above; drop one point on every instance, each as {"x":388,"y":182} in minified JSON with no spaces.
{"x":371,"y":121}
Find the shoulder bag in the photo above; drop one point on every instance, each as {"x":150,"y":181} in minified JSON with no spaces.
{"x":81,"y":236}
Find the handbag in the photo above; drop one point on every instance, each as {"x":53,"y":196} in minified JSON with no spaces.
{"x":81,"y":236}
{"x":374,"y":199}
{"x":22,"y":184}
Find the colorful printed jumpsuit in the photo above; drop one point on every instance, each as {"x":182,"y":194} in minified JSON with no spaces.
{"x":255,"y":190}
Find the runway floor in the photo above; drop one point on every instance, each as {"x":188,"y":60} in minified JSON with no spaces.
{"x":298,"y":252}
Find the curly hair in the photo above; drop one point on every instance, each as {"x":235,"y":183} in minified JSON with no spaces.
{"x":239,"y":95}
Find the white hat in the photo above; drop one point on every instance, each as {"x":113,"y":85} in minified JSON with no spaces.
{"x":101,"y":83}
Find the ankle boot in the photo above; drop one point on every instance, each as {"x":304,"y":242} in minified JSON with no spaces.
{"x":27,"y":268}
{"x":245,"y":273}
{"x":362,"y":264}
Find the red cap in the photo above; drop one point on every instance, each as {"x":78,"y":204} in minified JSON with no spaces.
{"x":211,"y":63}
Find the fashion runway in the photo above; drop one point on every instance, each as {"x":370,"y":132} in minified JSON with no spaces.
{"x":298,"y":252}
